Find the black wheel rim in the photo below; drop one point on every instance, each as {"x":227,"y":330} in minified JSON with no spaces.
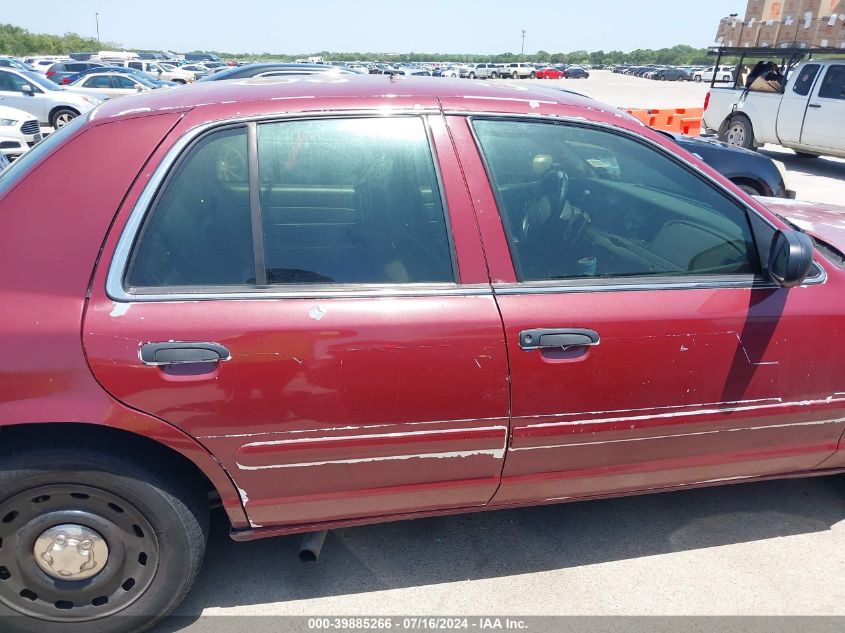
{"x":130,"y":569}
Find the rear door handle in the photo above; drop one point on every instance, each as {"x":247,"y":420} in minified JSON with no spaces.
{"x":551,"y":338}
{"x":174,"y":353}
{"x":815,"y":105}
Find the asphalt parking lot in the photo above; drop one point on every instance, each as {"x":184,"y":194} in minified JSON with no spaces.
{"x":770,"y":548}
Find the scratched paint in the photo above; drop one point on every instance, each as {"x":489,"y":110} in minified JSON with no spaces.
{"x":496,"y":453}
{"x":342,"y":438}
{"x":694,"y":412}
{"x":120,"y":309}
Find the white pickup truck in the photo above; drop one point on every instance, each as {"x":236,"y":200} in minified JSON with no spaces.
{"x":808,"y":116}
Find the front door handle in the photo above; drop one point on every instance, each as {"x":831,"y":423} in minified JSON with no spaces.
{"x":175,"y":353}
{"x":551,"y":338}
{"x":815,"y":105}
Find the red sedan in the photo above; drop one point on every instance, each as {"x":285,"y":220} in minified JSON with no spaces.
{"x":323,"y":304}
{"x":549,"y":73}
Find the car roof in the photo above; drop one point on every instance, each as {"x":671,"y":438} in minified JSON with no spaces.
{"x":219,"y":100}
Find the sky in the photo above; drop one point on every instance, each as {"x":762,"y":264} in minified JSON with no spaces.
{"x":436,"y":26}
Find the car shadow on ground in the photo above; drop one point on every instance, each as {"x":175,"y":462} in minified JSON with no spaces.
{"x":826,"y":167}
{"x":507,"y":542}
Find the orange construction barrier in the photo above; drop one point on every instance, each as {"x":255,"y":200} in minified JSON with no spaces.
{"x":683,"y":120}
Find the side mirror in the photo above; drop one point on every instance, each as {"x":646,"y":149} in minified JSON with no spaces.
{"x":27,"y":89}
{"x":842,"y":92}
{"x":139,"y":88}
{"x":790,"y":258}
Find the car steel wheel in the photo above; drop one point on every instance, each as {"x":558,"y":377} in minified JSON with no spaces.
{"x":472,"y":75}
{"x":73,"y":553}
{"x":739,"y":134}
{"x":736,"y":135}
{"x":63,"y":118}
{"x":698,"y":79}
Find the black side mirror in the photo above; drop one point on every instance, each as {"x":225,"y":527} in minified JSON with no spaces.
{"x":790,"y":258}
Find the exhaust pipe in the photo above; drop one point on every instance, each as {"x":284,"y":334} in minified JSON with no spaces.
{"x":309,"y":551}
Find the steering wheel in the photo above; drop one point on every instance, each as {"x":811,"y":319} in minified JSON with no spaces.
{"x":547,"y":201}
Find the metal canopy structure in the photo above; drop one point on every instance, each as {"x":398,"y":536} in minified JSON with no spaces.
{"x":789,"y":56}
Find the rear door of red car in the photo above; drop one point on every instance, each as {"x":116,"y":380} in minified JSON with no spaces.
{"x":645,"y":349}
{"x":326,"y":277}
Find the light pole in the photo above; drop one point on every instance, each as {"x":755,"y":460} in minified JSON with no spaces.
{"x":97,"y":18}
{"x":522,"y":50}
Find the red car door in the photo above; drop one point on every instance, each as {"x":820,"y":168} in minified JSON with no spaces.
{"x":646,"y":349}
{"x":302,"y":298}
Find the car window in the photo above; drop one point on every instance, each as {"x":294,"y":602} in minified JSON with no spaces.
{"x":13,"y":82}
{"x":98,"y":81}
{"x":199,"y":233}
{"x":804,"y":81}
{"x":37,"y":81}
{"x":371,"y":213}
{"x":120,"y":81}
{"x":581,"y":202}
{"x":136,"y":65}
{"x":833,"y":85}
{"x":6,"y":82}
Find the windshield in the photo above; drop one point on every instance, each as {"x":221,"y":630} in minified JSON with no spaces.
{"x":40,"y":80}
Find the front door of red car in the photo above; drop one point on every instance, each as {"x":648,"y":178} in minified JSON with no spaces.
{"x":646,"y":349}
{"x":301,"y":298}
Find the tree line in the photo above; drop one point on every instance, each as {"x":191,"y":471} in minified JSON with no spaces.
{"x":19,"y":42}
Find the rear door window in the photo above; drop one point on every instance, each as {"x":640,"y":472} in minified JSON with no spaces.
{"x":98,"y":81}
{"x":351,"y":201}
{"x":333,"y":201}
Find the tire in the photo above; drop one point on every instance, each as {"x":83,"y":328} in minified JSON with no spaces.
{"x":62,"y":116}
{"x":697,"y":79}
{"x":179,"y":81}
{"x":154,"y":522}
{"x":533,"y":75}
{"x":515,"y":75}
{"x":738,"y":133}
{"x":750,"y":189}
{"x":471,"y":75}
{"x":804,"y":154}
{"x":494,"y":76}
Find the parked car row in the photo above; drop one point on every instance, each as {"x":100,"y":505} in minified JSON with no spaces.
{"x":519,"y":71}
{"x":678,"y":73}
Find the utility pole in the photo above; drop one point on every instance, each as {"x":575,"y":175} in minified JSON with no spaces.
{"x":522,"y":50}
{"x":97,"y":18}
